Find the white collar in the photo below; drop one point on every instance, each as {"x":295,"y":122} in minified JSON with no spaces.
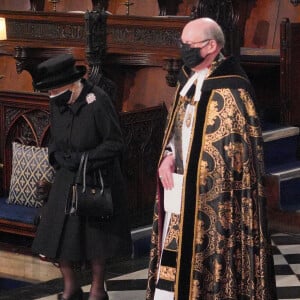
{"x":198,"y":76}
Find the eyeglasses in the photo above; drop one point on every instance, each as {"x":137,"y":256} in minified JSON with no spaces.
{"x":187,"y":46}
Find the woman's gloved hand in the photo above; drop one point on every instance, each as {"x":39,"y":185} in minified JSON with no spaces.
{"x":68,"y":161}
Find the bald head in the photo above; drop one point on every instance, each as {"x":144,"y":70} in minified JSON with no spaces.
{"x":203,"y":29}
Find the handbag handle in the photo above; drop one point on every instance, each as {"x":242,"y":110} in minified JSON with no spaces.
{"x":82,"y":168}
{"x":78,"y":174}
{"x":84,"y":171}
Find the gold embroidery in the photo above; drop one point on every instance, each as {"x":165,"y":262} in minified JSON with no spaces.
{"x":204,"y":172}
{"x":213,"y":113}
{"x":225,"y":213}
{"x":217,"y":270}
{"x":200,"y":233}
{"x":235,"y":151}
{"x":189,"y":116}
{"x":167,"y":273}
{"x":171,"y":241}
{"x":248,"y":102}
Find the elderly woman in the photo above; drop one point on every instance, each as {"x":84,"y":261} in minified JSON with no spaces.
{"x":83,"y":119}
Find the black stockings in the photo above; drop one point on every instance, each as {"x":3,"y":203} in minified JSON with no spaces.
{"x":71,"y":284}
{"x":97,"y":291}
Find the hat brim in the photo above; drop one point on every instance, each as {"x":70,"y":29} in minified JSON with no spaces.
{"x":60,"y":80}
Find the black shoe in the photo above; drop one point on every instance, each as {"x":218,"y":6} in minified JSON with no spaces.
{"x":78,"y":295}
{"x":105,"y":297}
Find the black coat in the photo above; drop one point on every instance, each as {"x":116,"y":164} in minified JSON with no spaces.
{"x":89,"y":125}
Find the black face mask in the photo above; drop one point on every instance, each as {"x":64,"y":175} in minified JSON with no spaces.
{"x":191,"y":56}
{"x":63,"y":98}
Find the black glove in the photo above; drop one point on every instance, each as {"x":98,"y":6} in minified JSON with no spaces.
{"x":73,"y":160}
{"x":59,"y":158}
{"x":68,"y":161}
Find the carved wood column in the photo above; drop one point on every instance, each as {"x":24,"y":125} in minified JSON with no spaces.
{"x":168,"y":7}
{"x":223,"y":13}
{"x":99,"y":5}
{"x":28,"y":58}
{"x":172,"y":67}
{"x":96,"y":43}
{"x":25,"y":61}
{"x":37,"y":5}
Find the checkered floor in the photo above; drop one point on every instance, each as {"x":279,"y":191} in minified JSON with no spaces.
{"x":286,"y":251}
{"x":127,"y":280}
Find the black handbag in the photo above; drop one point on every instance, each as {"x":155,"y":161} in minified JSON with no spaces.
{"x":93,"y":200}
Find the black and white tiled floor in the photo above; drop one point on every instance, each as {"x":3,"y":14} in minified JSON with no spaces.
{"x":286,"y":252}
{"x":126,"y":280}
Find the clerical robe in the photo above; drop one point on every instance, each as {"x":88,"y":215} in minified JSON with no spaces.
{"x":218,"y":247}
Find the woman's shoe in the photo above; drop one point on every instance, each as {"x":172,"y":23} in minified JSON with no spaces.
{"x":105,"y":297}
{"x":78,"y":295}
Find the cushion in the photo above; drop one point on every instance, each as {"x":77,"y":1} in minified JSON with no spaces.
{"x":18,"y":213}
{"x":29,"y":165}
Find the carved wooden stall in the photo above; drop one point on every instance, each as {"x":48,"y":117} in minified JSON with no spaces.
{"x":269,"y":53}
{"x":139,"y":54}
{"x":290,"y":72}
{"x":135,"y":46}
{"x":141,"y":57}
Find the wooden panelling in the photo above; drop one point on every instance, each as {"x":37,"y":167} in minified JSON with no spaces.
{"x":15,"y":5}
{"x":290,"y":73}
{"x":138,"y":51}
{"x":263,"y":25}
{"x":69,"y":5}
{"x":12,"y":80}
{"x":142,"y":86}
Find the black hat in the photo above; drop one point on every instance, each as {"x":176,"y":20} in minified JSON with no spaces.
{"x":57,"y":72}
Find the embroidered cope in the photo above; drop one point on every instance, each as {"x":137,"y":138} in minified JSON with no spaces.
{"x":218,"y":247}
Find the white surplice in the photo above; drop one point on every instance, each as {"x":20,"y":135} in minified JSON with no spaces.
{"x":178,"y":178}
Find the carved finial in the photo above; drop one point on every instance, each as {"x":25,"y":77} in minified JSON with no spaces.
{"x":168,"y":7}
{"x":128,"y":4}
{"x":37,"y":5}
{"x":172,"y":66}
{"x":100,"y":5}
{"x":54,"y":2}
{"x":295,"y":2}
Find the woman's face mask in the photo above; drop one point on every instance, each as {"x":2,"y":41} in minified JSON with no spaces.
{"x":191,"y":56}
{"x":65,"y":95}
{"x":62,"y":98}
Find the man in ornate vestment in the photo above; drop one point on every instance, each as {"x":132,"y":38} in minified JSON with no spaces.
{"x":210,"y":239}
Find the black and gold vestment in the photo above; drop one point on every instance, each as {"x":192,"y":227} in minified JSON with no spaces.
{"x":218,"y":248}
